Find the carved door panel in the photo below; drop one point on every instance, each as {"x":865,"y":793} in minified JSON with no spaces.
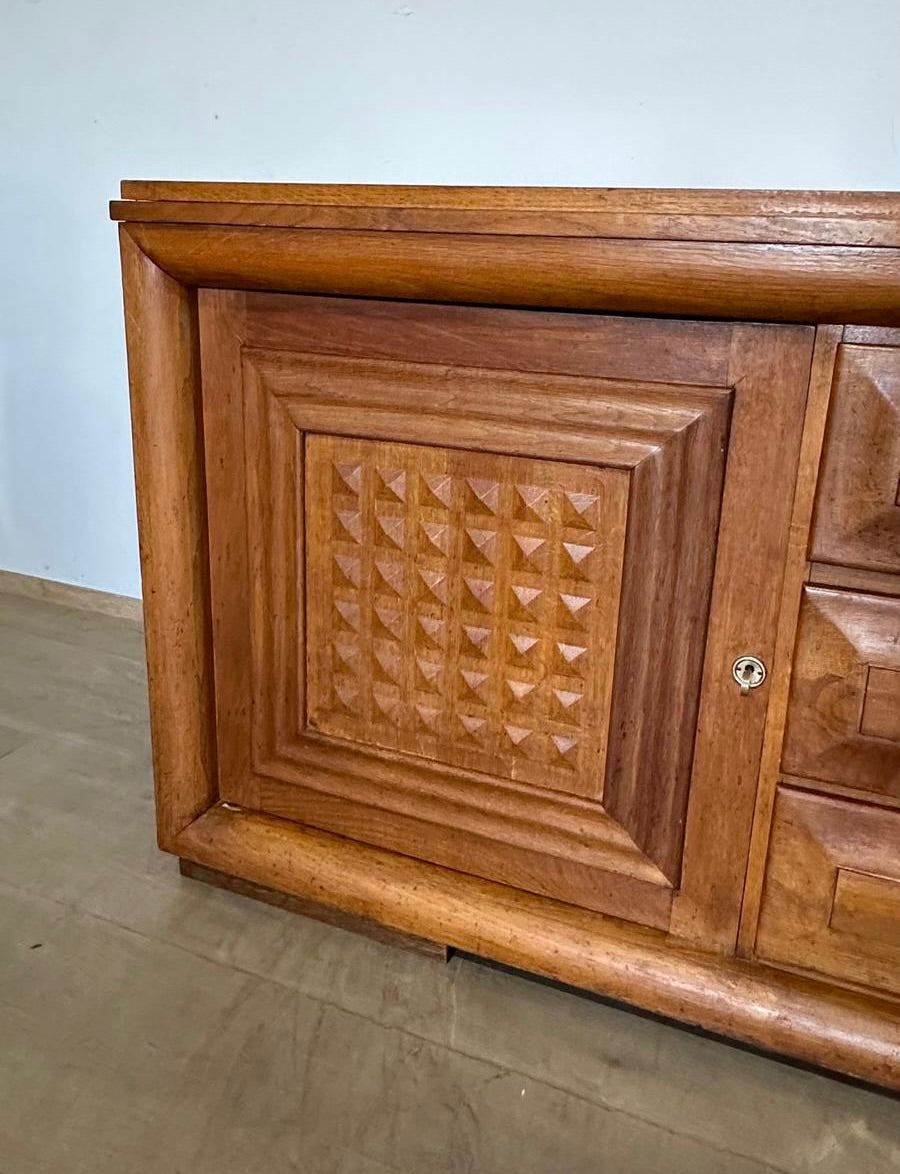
{"x":464,"y":575}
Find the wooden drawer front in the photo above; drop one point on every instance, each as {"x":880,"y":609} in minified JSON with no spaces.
{"x":844,"y":714}
{"x":857,"y":520}
{"x":832,"y":895}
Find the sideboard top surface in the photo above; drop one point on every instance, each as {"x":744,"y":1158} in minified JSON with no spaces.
{"x":804,"y":217}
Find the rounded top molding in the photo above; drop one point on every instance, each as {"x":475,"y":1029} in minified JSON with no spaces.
{"x":771,"y":256}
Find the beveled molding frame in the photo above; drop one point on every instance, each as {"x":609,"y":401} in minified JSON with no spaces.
{"x":801,"y":257}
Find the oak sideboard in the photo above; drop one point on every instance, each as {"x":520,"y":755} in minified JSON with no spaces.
{"x":521,"y":572}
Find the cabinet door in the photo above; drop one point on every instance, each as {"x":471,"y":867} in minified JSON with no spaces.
{"x":468,"y":565}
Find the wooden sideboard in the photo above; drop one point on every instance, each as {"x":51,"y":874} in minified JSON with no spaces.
{"x":522,"y":572}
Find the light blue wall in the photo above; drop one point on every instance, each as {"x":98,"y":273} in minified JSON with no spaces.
{"x":633,"y":92}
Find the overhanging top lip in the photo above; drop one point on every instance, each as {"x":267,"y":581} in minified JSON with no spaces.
{"x":632,"y":200}
{"x":765,"y":217}
{"x":800,"y":257}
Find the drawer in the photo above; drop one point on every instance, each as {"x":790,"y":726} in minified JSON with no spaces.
{"x":844,"y":714}
{"x":831,"y":901}
{"x":857,"y":519}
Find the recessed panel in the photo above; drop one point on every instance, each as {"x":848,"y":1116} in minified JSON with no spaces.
{"x":464,"y":607}
{"x":843,"y":722}
{"x":831,"y":901}
{"x":857,"y":520}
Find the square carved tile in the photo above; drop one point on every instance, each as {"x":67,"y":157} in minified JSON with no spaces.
{"x":466,"y":606}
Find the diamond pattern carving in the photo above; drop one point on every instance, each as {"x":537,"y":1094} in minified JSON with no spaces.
{"x":471,"y":604}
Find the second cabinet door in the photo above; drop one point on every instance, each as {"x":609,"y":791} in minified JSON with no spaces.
{"x":479,"y":577}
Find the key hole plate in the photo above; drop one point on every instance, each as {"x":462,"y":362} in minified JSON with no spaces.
{"x":749,"y":672}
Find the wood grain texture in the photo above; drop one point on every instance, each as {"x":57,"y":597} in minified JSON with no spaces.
{"x":839,"y":218}
{"x":676,"y":497}
{"x":854,"y":579}
{"x":275,"y":397}
{"x":817,"y":1023}
{"x":626,"y":224}
{"x":164,"y":382}
{"x":654,"y":402}
{"x":818,"y":398}
{"x":596,"y":867}
{"x":844,"y":714}
{"x":465,"y":607}
{"x":694,"y":353}
{"x":866,"y":905}
{"x":673,"y":440}
{"x":220,"y":359}
{"x":679,"y":431}
{"x":872,"y":335}
{"x":674,"y":201}
{"x":770,"y":370}
{"x":596,"y":421}
{"x":832,"y":897}
{"x":685,"y":278}
{"x":880,"y":716}
{"x":857,"y":520}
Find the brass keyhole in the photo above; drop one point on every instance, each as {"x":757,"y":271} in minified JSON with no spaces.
{"x":749,"y":672}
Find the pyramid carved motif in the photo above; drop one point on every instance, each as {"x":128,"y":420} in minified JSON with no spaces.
{"x":460,"y":602}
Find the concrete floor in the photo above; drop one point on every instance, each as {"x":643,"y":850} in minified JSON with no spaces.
{"x":152,"y":1024}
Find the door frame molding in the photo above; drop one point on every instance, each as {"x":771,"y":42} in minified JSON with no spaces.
{"x":765,"y":375}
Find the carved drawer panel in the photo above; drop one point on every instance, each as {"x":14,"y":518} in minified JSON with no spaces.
{"x":857,"y":519}
{"x":844,"y":713}
{"x":832,"y":893}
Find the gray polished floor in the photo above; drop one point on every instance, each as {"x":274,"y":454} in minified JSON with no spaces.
{"x":151,"y":1024}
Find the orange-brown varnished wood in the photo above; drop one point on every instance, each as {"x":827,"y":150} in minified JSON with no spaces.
{"x":700,"y":214}
{"x":464,"y":610}
{"x":674,"y":201}
{"x":695,"y":353}
{"x":854,"y":579}
{"x":410,"y":584}
{"x":670,"y":554}
{"x":778,"y":228}
{"x":688,"y":278}
{"x":831,"y":901}
{"x":579,"y":856}
{"x":166,"y":413}
{"x":598,"y":348}
{"x":820,"y":382}
{"x":770,"y":369}
{"x":220,"y":359}
{"x":844,"y":714}
{"x":857,"y":519}
{"x":372,"y":807}
{"x":856,"y":1034}
{"x":866,"y":905}
{"x":423,"y":639}
{"x":825,"y":787}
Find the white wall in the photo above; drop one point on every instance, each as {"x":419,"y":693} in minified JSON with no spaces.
{"x":769,"y":93}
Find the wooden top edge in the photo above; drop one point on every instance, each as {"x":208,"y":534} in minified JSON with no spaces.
{"x":651,"y":201}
